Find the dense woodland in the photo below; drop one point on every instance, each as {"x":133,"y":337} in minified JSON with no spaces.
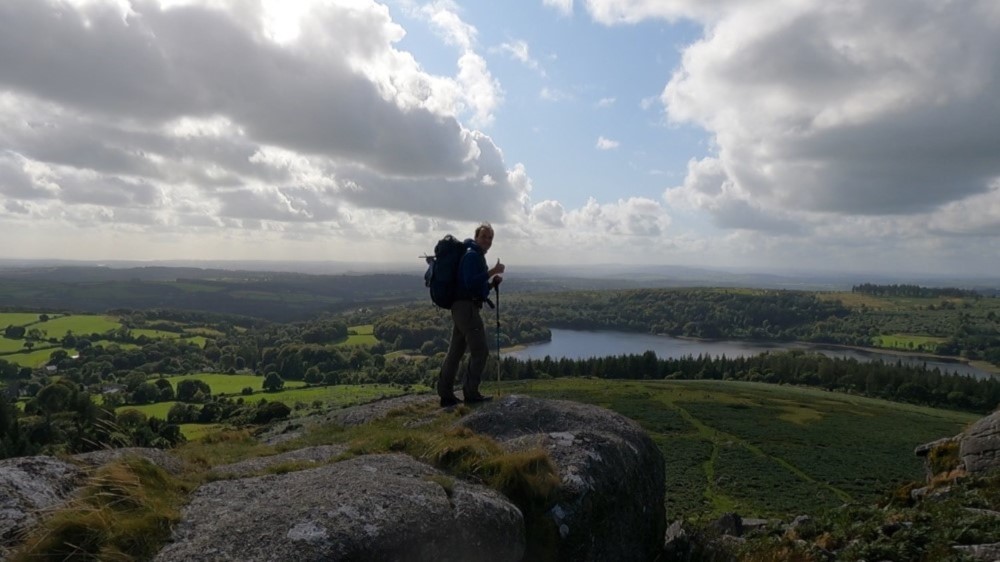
{"x":914,"y":291}
{"x":123,"y":368}
{"x":890,"y":381}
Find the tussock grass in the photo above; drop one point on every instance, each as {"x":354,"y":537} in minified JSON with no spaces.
{"x":223,"y":447}
{"x":527,"y":477}
{"x":944,"y":458}
{"x":123,"y":513}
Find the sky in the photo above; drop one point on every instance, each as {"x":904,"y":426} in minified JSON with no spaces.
{"x":767,"y":135}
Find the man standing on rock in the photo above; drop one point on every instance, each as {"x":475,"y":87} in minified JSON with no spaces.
{"x":474,"y":284}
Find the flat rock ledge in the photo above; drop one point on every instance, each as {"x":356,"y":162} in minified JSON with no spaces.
{"x":315,"y":455}
{"x":371,"y":508}
{"x":610,"y":504}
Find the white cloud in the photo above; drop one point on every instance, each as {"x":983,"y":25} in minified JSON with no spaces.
{"x":553,"y":94}
{"x":197,"y":115}
{"x":564,"y":7}
{"x":481,"y":92}
{"x":606,"y":144}
{"x":549,"y":213}
{"x":844,"y":135}
{"x":605,"y":102}
{"x":844,"y":108}
{"x":520,"y":51}
{"x":635,"y":216}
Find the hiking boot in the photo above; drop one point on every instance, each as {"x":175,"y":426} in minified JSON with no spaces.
{"x":449,"y":401}
{"x":473,"y":398}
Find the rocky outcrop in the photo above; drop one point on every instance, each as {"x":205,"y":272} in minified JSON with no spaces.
{"x":979,"y":446}
{"x":981,"y":552}
{"x":28,"y":486}
{"x":159,"y":457}
{"x":375,"y":507}
{"x":610,"y":503}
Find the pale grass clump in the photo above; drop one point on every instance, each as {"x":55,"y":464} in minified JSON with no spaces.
{"x":123,"y":512}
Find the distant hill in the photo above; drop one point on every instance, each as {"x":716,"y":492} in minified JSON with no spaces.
{"x":289,"y":291}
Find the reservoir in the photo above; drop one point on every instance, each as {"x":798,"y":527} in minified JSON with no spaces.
{"x":579,"y":344}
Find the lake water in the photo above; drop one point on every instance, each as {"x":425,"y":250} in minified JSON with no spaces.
{"x":577,"y":344}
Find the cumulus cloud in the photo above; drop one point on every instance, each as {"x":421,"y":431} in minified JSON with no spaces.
{"x":606,"y":144}
{"x":481,"y":91}
{"x":605,"y":102}
{"x":707,"y":187}
{"x":635,"y":216}
{"x":208,"y":114}
{"x":879,"y":108}
{"x":549,"y":213}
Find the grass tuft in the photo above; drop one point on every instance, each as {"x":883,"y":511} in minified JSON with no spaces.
{"x":529,"y":478}
{"x":944,"y":458}
{"x":223,"y":447}
{"x":124,"y":512}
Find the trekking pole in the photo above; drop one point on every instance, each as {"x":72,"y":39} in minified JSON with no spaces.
{"x":497,"y":289}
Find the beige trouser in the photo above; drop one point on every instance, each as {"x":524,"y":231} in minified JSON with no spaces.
{"x":467,"y":332}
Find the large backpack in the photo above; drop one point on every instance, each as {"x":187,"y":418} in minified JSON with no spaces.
{"x":442,"y":270}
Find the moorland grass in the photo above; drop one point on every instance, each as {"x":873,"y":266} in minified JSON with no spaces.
{"x":819,"y":448}
{"x":758,"y":450}
{"x":339,"y":396}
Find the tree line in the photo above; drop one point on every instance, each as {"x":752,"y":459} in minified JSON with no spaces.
{"x":913,"y":291}
{"x":890,"y":381}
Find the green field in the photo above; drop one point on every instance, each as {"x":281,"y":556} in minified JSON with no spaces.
{"x":763,"y":450}
{"x":909,"y":342}
{"x":8,"y":345}
{"x":78,"y":324}
{"x":202,"y":331}
{"x":36,"y":358}
{"x":331,"y":397}
{"x":17,"y":318}
{"x":197,"y":340}
{"x":230,"y":384}
{"x":158,"y":410}
{"x":359,"y":335}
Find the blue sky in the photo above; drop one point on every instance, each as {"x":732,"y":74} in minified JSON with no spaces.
{"x":578,"y":82}
{"x":765,"y":135}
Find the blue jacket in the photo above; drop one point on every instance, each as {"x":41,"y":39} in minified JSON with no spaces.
{"x":473,"y":275}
